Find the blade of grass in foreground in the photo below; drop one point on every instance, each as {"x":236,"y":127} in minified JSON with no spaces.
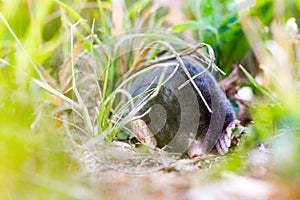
{"x":257,"y":85}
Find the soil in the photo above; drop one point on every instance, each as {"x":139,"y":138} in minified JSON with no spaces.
{"x":157,"y":175}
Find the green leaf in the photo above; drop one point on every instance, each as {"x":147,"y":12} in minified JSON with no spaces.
{"x":238,"y":131}
{"x":87,"y":46}
{"x":196,"y":25}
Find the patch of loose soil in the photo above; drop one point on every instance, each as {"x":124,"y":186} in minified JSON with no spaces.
{"x":127,"y":175}
{"x":112,"y":184}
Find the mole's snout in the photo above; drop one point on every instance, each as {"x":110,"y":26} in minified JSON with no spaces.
{"x":195,"y":149}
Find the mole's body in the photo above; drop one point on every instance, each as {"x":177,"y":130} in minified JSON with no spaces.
{"x":179,"y":119}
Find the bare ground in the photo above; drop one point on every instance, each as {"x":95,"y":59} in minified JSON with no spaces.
{"x":183,"y":178}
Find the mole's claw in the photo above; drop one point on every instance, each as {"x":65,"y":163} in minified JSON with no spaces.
{"x":220,"y":149}
{"x":226,"y":137}
{"x":227,"y":140}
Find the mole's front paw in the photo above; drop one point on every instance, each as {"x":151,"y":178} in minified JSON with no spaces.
{"x":143,"y":134}
{"x":226,"y":137}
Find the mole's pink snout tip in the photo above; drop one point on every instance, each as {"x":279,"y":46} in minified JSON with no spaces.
{"x":198,"y":153}
{"x":195,"y":149}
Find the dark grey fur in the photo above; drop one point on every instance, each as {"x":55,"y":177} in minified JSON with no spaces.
{"x":180,"y":112}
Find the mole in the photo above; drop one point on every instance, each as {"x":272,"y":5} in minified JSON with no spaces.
{"x":180,"y":115}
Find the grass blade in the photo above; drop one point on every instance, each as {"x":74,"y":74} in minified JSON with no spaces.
{"x":257,"y":85}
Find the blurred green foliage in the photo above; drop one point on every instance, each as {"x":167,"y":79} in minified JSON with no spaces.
{"x":217,"y":23}
{"x":35,"y":163}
